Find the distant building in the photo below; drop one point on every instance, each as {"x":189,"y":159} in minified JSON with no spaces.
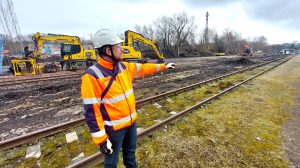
{"x":290,"y":48}
{"x":288,"y":51}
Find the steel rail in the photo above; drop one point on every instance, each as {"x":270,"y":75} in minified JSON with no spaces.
{"x":14,"y":82}
{"x":13,"y":142}
{"x":35,"y":79}
{"x":98,"y":157}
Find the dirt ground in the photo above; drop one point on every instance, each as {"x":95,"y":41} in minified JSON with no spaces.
{"x":291,"y":129}
{"x":32,"y":106}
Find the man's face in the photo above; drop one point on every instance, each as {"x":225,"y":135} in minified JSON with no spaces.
{"x":118,"y":50}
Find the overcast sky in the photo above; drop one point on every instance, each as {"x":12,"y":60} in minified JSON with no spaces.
{"x":277,"y":20}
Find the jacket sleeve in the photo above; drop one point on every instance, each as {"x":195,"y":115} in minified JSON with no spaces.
{"x":140,"y":70}
{"x":91,"y":94}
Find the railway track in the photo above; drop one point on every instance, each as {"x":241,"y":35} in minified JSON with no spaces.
{"x":11,"y":143}
{"x":37,"y":79}
{"x":97,"y":157}
{"x":17,"y":81}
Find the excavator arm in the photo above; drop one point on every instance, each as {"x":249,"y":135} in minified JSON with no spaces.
{"x":131,"y":37}
{"x":73,"y":54}
{"x":39,"y":39}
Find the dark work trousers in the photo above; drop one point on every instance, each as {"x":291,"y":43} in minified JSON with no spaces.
{"x":125,"y":139}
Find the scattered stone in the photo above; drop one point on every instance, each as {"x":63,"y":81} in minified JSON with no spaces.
{"x":78,"y":112}
{"x":77,"y":158}
{"x":258,"y":138}
{"x":70,"y":137}
{"x":62,"y":99}
{"x":157,"y":121}
{"x":169,"y":100}
{"x":33,"y":151}
{"x":141,"y":110}
{"x":157,"y":105}
{"x":138,"y":130}
{"x":72,"y":100}
{"x":5,"y":134}
{"x":21,"y":131}
{"x":165,"y":129}
{"x":38,"y":163}
{"x":4,"y":120}
{"x":24,"y":116}
{"x":74,"y":110}
{"x":173,"y":112}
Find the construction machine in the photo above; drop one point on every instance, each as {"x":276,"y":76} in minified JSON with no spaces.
{"x":73,"y":54}
{"x":132,"y":50}
{"x":247,"y":51}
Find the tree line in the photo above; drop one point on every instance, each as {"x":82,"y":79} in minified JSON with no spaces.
{"x":178,"y":35}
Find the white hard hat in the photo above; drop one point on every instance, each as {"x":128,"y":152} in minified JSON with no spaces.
{"x":105,"y":37}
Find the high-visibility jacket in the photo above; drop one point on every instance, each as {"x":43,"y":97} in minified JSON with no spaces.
{"x":117,"y":109}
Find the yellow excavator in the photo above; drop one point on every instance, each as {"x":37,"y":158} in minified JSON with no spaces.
{"x":73,"y":54}
{"x":132,"y":50}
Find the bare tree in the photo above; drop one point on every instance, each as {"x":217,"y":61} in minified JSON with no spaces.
{"x":177,"y":33}
{"x":90,"y":35}
{"x":259,"y":43}
{"x":207,"y":40}
{"x":148,"y":31}
{"x":192,"y":39}
{"x":164,"y":31}
{"x":232,"y":41}
{"x":182,"y":26}
{"x":219,"y":44}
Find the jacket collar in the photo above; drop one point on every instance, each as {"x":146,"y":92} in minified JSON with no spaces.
{"x":105,"y":64}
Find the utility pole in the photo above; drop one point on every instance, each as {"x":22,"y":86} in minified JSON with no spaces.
{"x":206,"y":40}
{"x":2,"y":43}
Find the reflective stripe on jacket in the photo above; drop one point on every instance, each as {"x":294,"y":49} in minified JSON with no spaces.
{"x":117,"y":109}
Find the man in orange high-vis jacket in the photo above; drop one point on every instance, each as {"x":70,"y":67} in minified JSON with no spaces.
{"x":109,"y":103}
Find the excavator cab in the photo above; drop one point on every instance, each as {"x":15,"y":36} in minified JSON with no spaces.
{"x":75,"y":57}
{"x":68,"y":52}
{"x":69,"y":49}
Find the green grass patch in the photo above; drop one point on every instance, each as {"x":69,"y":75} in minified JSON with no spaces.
{"x":242,"y":129}
{"x":85,"y":141}
{"x":12,"y":156}
{"x":55,"y":152}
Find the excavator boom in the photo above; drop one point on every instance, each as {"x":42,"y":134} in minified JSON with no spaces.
{"x":39,"y":39}
{"x":73,"y":53}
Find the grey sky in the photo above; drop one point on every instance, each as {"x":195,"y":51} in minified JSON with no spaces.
{"x":278,"y":20}
{"x":278,"y":12}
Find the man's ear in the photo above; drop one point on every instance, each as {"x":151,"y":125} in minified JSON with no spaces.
{"x":107,"y":51}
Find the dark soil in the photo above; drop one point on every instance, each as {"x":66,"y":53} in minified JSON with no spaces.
{"x":241,"y":61}
{"x":32,"y":106}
